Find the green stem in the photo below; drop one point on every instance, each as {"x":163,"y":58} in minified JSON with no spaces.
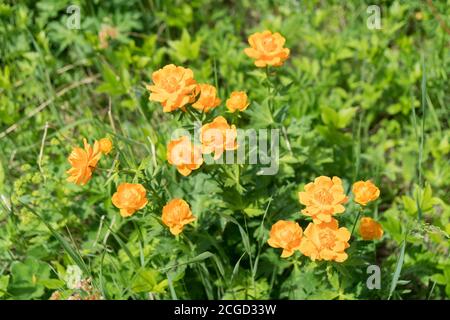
{"x":356,"y":220}
{"x":192,"y":115}
{"x":269,"y":85}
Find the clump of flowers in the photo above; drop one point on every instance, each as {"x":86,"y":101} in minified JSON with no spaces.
{"x":176,"y":214}
{"x":175,"y":88}
{"x":323,"y":239}
{"x":130,"y":198}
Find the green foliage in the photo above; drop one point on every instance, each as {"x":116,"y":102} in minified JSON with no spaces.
{"x":350,"y":102}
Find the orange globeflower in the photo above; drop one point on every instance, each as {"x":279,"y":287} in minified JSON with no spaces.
{"x":325,"y":241}
{"x":237,"y":101}
{"x":267,"y":49}
{"x":365,"y":192}
{"x":208,"y":98}
{"x":129,"y":198}
{"x":184,"y":155}
{"x":106,"y":33}
{"x":218,"y":136}
{"x":286,"y":235}
{"x":176,"y":213}
{"x":105,"y":145}
{"x":173,"y":87}
{"x":369,"y":229}
{"x":83,"y":162}
{"x":323,"y":198}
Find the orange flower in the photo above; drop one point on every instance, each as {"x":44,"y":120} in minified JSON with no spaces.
{"x":184,"y":155}
{"x":83,"y":162}
{"x":176,"y":213}
{"x":105,"y":145}
{"x":369,"y":229}
{"x":208,"y":98}
{"x":267,"y":49}
{"x":323,"y":198}
{"x":237,"y":101}
{"x":365,"y":192}
{"x":325,"y":241}
{"x":129,"y":198}
{"x":218,"y":136}
{"x":286,"y":235}
{"x":173,"y":87}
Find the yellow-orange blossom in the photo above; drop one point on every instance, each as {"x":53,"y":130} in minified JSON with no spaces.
{"x":129,"y":198}
{"x":267,"y":49}
{"x":369,"y":229}
{"x":286,"y":235}
{"x":176,"y":214}
{"x":184,"y":155}
{"x":323,"y":198}
{"x":105,"y":145}
{"x":365,"y":192}
{"x":83,"y":162}
{"x":173,"y":87}
{"x":325,"y":241}
{"x":218,"y":136}
{"x":207,"y":99}
{"x":237,"y":101}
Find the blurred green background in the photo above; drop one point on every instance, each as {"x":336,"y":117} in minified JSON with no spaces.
{"x":354,"y":102}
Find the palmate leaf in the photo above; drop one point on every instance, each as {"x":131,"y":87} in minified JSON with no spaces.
{"x":27,"y":277}
{"x":185,"y":49}
{"x":260,"y":115}
{"x":148,"y":280}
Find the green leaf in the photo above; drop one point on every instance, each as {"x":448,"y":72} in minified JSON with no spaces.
{"x":345,"y":117}
{"x":439,"y":278}
{"x":253,"y":212}
{"x":2,"y":176}
{"x":333,"y":278}
{"x":26,"y":277}
{"x":260,"y":115}
{"x":398,"y":269}
{"x":4,"y":281}
{"x":185,"y":49}
{"x":329,"y":116}
{"x":52,"y":283}
{"x":148,"y":280}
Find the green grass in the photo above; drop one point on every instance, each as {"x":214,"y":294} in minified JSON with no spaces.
{"x":349,"y":102}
